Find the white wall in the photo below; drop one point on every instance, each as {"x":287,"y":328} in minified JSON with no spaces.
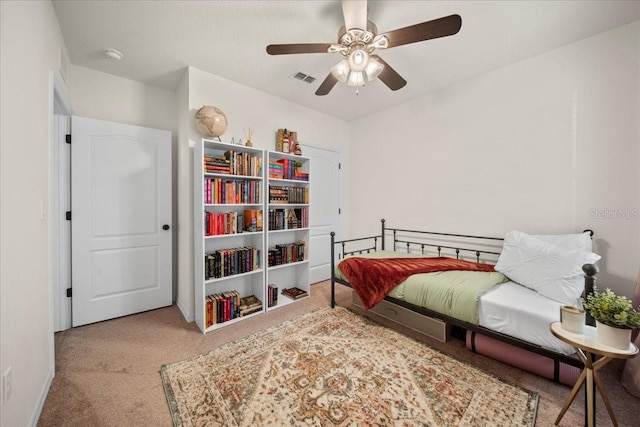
{"x":244,"y":107}
{"x":30,"y":40}
{"x":537,"y":146}
{"x":107,"y":97}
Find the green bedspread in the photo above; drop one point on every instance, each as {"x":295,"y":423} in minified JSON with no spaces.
{"x":452,"y":293}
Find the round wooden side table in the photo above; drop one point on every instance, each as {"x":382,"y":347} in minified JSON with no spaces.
{"x":594,"y":355}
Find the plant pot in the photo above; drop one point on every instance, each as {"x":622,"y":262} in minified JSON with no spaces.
{"x":613,"y":337}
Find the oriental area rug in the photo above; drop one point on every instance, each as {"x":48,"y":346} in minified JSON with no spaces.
{"x":332,"y":367}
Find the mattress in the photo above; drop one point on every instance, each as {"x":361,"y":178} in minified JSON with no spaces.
{"x":520,"y":312}
{"x":453,"y":293}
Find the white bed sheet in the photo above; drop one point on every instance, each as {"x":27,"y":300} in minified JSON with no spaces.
{"x":518,"y":311}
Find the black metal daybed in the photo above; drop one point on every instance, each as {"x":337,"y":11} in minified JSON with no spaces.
{"x":556,"y":365}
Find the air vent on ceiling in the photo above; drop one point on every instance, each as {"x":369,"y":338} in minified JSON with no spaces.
{"x":304,"y":77}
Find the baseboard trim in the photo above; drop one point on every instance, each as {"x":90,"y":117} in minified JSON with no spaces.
{"x":189,"y":318}
{"x":35,"y":417}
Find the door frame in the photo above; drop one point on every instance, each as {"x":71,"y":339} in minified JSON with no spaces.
{"x":60,"y":308}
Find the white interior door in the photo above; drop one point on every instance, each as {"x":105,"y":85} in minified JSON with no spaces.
{"x":324,"y":215}
{"x":120,"y":219}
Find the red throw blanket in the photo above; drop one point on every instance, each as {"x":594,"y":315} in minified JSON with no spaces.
{"x":373,"y":278}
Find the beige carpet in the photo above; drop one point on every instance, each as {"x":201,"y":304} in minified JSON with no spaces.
{"x":332,"y":367}
{"x":107,"y":374}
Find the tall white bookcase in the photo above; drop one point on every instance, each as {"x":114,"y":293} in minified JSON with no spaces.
{"x":229,"y":255}
{"x":231,"y":252}
{"x":287,"y":226}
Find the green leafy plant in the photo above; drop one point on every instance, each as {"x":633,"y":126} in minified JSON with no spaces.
{"x":612,"y":310}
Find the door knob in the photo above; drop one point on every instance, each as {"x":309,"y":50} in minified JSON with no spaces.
{"x":165,"y":227}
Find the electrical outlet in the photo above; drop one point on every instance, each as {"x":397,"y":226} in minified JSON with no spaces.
{"x":7,"y":384}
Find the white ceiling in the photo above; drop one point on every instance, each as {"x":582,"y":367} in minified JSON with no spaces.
{"x":228,"y":38}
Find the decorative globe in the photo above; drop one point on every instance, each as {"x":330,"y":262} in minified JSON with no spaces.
{"x":211,"y":121}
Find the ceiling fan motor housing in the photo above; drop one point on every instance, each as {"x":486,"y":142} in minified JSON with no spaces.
{"x":356,"y":38}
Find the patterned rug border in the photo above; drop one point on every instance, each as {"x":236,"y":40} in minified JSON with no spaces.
{"x":173,"y":404}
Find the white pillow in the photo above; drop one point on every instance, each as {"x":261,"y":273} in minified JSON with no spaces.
{"x":546,"y":268}
{"x":568,"y":241}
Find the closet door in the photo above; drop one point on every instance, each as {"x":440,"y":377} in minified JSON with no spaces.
{"x":325,"y":173}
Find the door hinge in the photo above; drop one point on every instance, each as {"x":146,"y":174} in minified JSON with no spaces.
{"x":339,"y":165}
{"x":339,"y":211}
{"x":68,"y":215}
{"x":69,"y":292}
{"x":68,"y":138}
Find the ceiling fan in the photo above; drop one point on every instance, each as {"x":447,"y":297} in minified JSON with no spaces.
{"x":358,"y":38}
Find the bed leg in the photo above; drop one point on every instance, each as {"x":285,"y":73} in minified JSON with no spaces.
{"x":333,"y":294}
{"x":333,"y":275}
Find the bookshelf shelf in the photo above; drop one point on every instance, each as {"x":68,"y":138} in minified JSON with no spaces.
{"x":230,"y":176}
{"x":290,"y":229}
{"x":230,"y":322}
{"x":288,"y":265}
{"x":227,"y":236}
{"x":232,"y":204}
{"x":279,"y":181}
{"x":233,"y":276}
{"x":284,"y":300}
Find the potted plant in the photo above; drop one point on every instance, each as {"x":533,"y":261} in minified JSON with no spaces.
{"x":615,"y":317}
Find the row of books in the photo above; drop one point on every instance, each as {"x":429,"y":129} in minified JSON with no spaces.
{"x":286,"y":169}
{"x":225,"y":306}
{"x":272,"y":295}
{"x":233,"y":163}
{"x":221,"y":223}
{"x":288,"y":219}
{"x":219,"y":190}
{"x":287,"y":253}
{"x":276,"y":169}
{"x":287,"y":195}
{"x":294,"y":293}
{"x":228,"y":262}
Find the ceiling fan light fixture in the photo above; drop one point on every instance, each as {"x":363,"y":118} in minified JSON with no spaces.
{"x":356,"y":78}
{"x":358,"y":60}
{"x":341,"y":70}
{"x":373,"y":69}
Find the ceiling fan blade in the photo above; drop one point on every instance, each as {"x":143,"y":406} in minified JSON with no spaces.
{"x":327,"y":85}
{"x":355,"y":14}
{"x":389,"y":76}
{"x":441,"y":27}
{"x":286,"y":49}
